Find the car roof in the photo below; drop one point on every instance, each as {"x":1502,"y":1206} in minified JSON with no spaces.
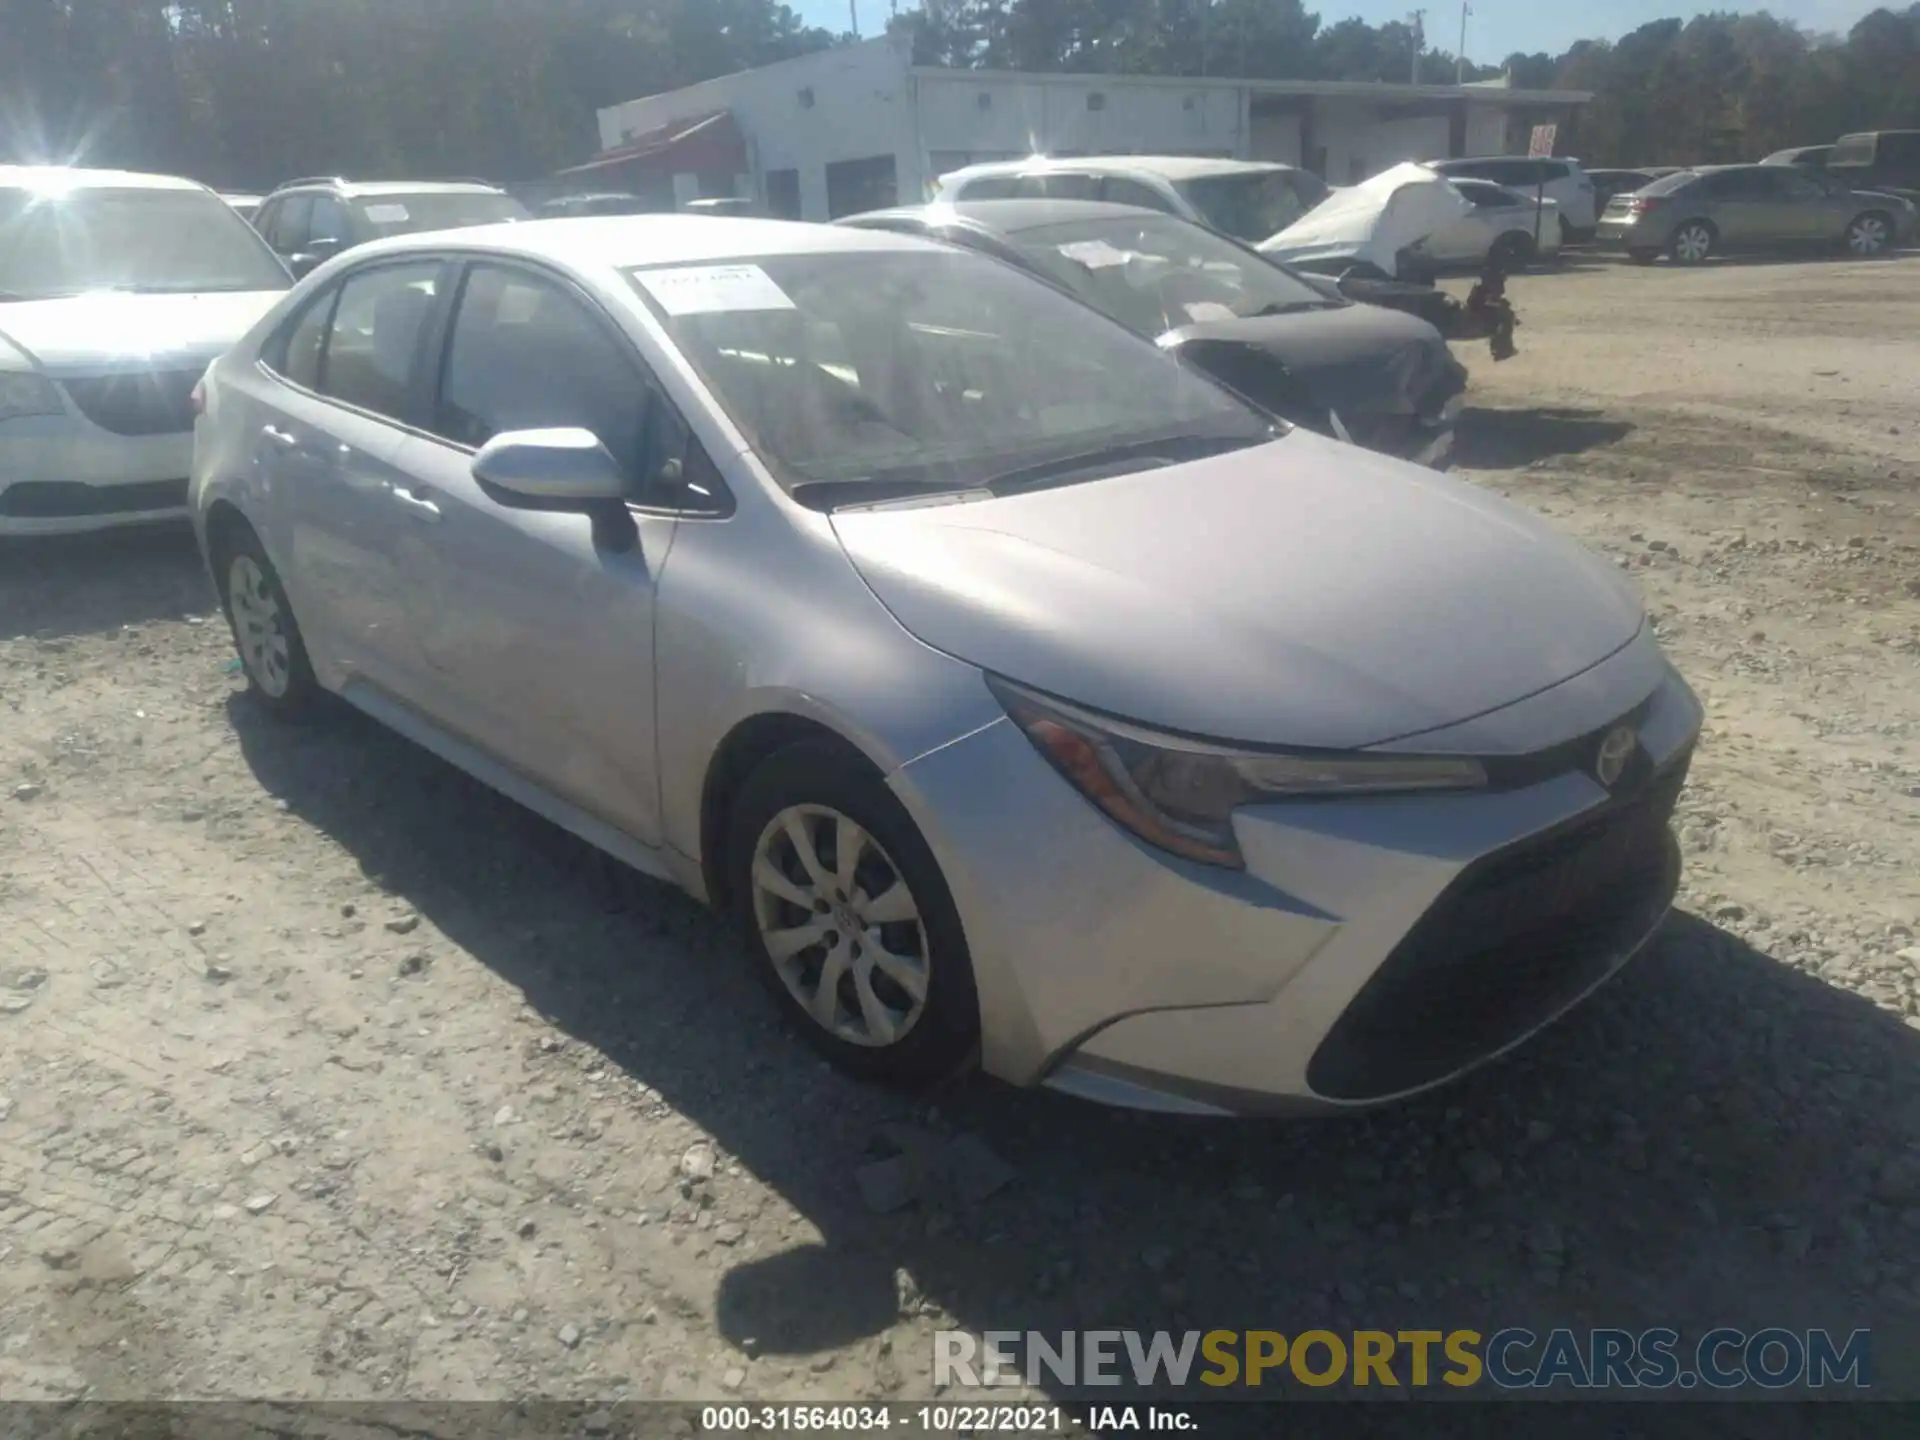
{"x":1485,"y":159}
{"x":80,"y":177}
{"x":619,"y":242}
{"x":1167,"y":167}
{"x":358,"y":189}
{"x":1010,"y":217}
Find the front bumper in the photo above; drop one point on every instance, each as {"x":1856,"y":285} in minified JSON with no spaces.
{"x":60,"y":475}
{"x":1371,"y":949}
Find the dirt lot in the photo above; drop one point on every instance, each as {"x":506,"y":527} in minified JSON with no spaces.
{"x":327,"y":1074}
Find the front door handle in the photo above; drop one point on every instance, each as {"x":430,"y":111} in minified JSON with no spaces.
{"x":418,"y":506}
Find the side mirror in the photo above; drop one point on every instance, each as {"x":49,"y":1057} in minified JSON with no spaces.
{"x":317,"y":253}
{"x":566,"y":470}
{"x":550,"y":470}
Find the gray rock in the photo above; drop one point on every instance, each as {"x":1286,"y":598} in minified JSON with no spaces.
{"x":260,"y":1204}
{"x":697,"y":1164}
{"x":26,"y":792}
{"x":886,"y":1185}
{"x":6,"y":1106}
{"x":976,"y":1172}
{"x":729,"y":1233}
{"x":734,"y":1378}
{"x":404,"y":924}
{"x":14,"y":1004}
{"x":569,"y":1336}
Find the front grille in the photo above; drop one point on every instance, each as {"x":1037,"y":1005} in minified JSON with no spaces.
{"x":1516,"y":938}
{"x":147,"y":402}
{"x":69,"y":499}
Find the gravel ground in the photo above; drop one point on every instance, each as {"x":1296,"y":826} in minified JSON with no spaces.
{"x":325,"y":1073}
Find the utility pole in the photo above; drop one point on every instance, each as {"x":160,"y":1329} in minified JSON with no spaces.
{"x":853,"y":14}
{"x":1418,"y":21}
{"x":1460,"y":59}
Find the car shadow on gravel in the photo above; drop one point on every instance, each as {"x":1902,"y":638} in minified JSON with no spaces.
{"x":64,"y":586}
{"x":1716,"y":1138}
{"x":1487,"y":439}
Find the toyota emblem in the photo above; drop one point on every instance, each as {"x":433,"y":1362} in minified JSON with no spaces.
{"x":1615,"y":751}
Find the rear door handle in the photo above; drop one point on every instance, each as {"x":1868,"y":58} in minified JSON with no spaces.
{"x":418,"y":506}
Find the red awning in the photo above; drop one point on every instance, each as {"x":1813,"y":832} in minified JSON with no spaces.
{"x":705,"y":144}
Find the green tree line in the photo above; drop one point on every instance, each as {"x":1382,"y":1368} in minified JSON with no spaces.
{"x":245,"y":93}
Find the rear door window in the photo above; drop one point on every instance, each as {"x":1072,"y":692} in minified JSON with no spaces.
{"x":1118,"y":190}
{"x":373,"y":343}
{"x":330,"y":220}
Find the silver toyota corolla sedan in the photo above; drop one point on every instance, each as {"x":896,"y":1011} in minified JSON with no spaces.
{"x":1031,"y":700}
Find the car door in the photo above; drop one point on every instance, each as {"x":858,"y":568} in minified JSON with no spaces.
{"x":1813,"y":212}
{"x":351,"y":387}
{"x":1749,"y":209}
{"x":1467,"y":239}
{"x":539,"y":639}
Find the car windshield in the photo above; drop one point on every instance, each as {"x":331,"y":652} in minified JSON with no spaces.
{"x":1256,"y":204}
{"x":1852,"y":150}
{"x":1155,"y":273}
{"x":68,"y":242}
{"x":861,"y":375}
{"x":442,"y":210}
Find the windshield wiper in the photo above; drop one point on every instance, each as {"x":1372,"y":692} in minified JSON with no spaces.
{"x":1294,"y":307}
{"x":835,"y":494}
{"x":1164,"y":449}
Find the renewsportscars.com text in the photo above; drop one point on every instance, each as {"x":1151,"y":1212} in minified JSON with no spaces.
{"x":1508,"y":1359}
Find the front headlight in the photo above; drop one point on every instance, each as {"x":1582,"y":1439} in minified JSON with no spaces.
{"x":24,"y":394}
{"x":1180,"y":794}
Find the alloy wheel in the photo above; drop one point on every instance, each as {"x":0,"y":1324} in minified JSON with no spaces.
{"x":841,"y":925}
{"x":1692,"y":243}
{"x":259,"y":627}
{"x":1867,"y":235}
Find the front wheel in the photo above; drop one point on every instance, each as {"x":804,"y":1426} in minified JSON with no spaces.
{"x":1869,"y":236}
{"x":849,"y":918}
{"x":1512,"y":252}
{"x":1692,"y":242}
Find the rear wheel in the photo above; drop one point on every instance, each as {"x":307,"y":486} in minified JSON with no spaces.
{"x":1869,"y":236}
{"x":272,"y":652}
{"x":1692,"y":242}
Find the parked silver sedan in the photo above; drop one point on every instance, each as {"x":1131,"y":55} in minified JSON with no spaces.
{"x":1029,"y":698}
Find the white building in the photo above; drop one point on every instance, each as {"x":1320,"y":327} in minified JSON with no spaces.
{"x":859,"y":126}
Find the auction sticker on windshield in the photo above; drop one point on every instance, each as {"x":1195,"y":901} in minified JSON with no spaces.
{"x":714,"y":289}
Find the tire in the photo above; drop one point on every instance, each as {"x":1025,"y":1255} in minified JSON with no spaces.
{"x":898,"y":903}
{"x":1641,"y":256}
{"x":1692,"y":242}
{"x":1869,"y":235}
{"x":272,"y":652}
{"x":1513,"y":251}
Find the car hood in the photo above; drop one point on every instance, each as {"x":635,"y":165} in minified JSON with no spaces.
{"x":1373,"y":221}
{"x":1302,"y":592}
{"x":85,"y":334}
{"x":1353,"y":359}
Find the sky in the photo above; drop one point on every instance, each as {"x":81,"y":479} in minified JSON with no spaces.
{"x":1496,"y":29}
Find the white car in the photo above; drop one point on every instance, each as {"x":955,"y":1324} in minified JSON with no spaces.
{"x":116,"y":292}
{"x":1561,"y":180}
{"x":1247,"y":199}
{"x":1502,"y":222}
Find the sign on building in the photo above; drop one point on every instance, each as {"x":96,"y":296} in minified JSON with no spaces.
{"x":1542,"y":143}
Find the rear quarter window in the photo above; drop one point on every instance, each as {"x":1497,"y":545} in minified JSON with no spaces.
{"x":1852,"y":150}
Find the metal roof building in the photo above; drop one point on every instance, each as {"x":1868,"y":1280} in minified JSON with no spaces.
{"x":860,"y":126}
